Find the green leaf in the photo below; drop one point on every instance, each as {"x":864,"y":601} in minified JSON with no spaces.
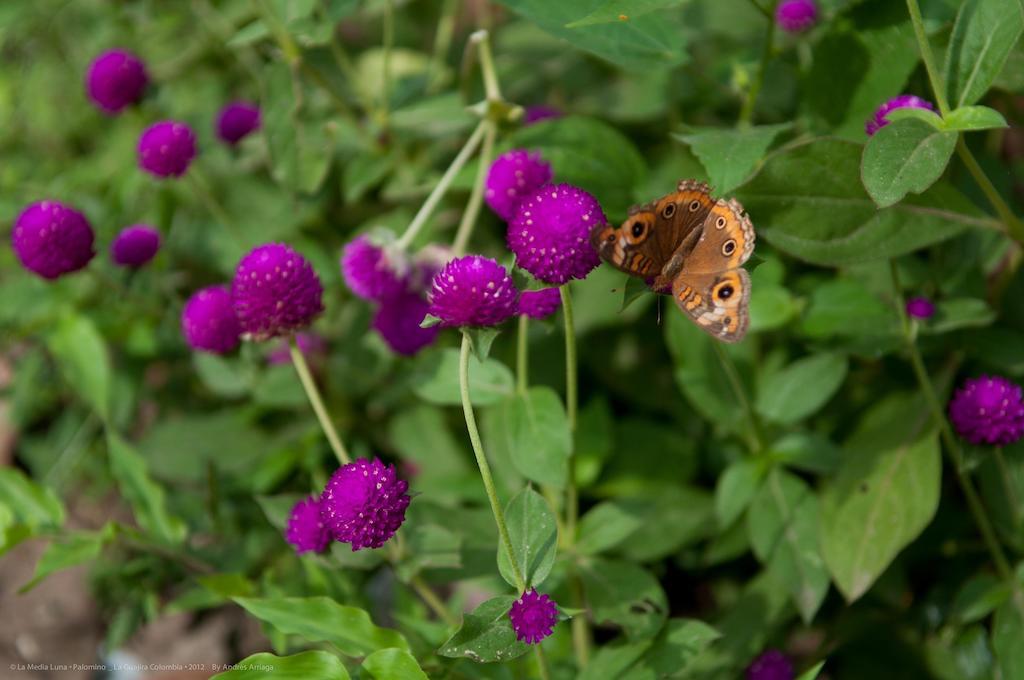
{"x":979,"y":597}
{"x":983,"y":35}
{"x":959,"y":313}
{"x":430,"y":546}
{"x":968,"y":118}
{"x":69,"y":551}
{"x":534,"y":534}
{"x":393,"y":664}
{"x":632,"y":290}
{"x":486,"y":634}
{"x":806,"y":451}
{"x":903,"y":157}
{"x":672,"y":517}
{"x":680,"y":644}
{"x":731,"y":155}
{"x":801,"y":388}
{"x":606,"y":525}
{"x":1007,"y":633}
{"x":302,"y":666}
{"x":539,"y":438}
{"x":437,"y":381}
{"x":736,"y":488}
{"x":321,"y":619}
{"x":29,"y":503}
{"x":846,"y":307}
{"x":300,"y":150}
{"x":622,"y":10}
{"x":82,"y":357}
{"x":812,"y":672}
{"x":626,"y":595}
{"x":144,"y":495}
{"x":927,"y":116}
{"x":481,"y":339}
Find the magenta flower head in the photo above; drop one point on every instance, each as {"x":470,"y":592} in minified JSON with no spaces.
{"x":796,"y":16}
{"x":904,"y":101}
{"x":370,"y":272}
{"x":364,"y":503}
{"x":115,"y":80}
{"x":135,"y":245}
{"x":512,"y":177}
{"x":398,"y":322}
{"x":473,"y":291}
{"x":208,"y":321}
{"x":771,"y":665}
{"x":311,"y":345}
{"x":539,"y":304}
{"x":920,"y":308}
{"x":167,"y":148}
{"x":535,"y":114}
{"x":550,"y":233}
{"x":988,"y":410}
{"x":534,"y":616}
{"x":236,"y":120}
{"x":275,"y":292}
{"x":52,"y":239}
{"x":306,"y":529}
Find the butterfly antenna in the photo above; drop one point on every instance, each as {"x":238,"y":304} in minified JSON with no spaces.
{"x":659,"y":310}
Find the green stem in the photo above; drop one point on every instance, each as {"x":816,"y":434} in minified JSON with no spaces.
{"x":476,"y":198}
{"x":523,"y":354}
{"x":542,"y":663}
{"x":747,"y":112}
{"x":1008,"y":488}
{"x":442,"y":43}
{"x":481,"y":462}
{"x":580,"y":626}
{"x":756,"y":443}
{"x":433,"y":601}
{"x":571,"y":398}
{"x":389,"y":41}
{"x":926,"y":56}
{"x":309,"y":385}
{"x":292,"y":53}
{"x":482,"y":40}
{"x":762,"y":9}
{"x":1014,"y":227}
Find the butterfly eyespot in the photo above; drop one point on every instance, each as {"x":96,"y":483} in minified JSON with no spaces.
{"x":725,"y":292}
{"x":720,"y":222}
{"x":729,"y":247}
{"x":638,"y":229}
{"x":669,"y":210}
{"x":694,"y":205}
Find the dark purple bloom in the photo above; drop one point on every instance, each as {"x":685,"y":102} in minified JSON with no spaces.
{"x":771,"y":665}
{"x":167,"y":148}
{"x":52,"y":239}
{"x":473,"y":291}
{"x":920,"y":308}
{"x":512,"y":177}
{"x":879,"y":120}
{"x":364,"y":503}
{"x":116,"y":79}
{"x":550,"y":233}
{"x":535,"y":114}
{"x":306,"y":529}
{"x":398,"y":322}
{"x":369,"y":272}
{"x":208,"y":321}
{"x":275,"y":292}
{"x":539,"y":304}
{"x":236,"y":120}
{"x":310,"y":344}
{"x":988,"y":410}
{"x":135,"y":245}
{"x":534,"y":616}
{"x":796,"y":16}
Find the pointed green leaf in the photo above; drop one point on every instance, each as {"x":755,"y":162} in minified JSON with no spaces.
{"x":539,"y":438}
{"x":906,"y":156}
{"x":625,"y":595}
{"x":70,"y":551}
{"x":812,"y":672}
{"x":969,"y":118}
{"x":606,"y":525}
{"x":302,"y":666}
{"x":437,"y":381}
{"x":146,"y":497}
{"x":736,"y":488}
{"x":83,"y":359}
{"x":622,"y":10}
{"x":800,"y":389}
{"x":486,"y":634}
{"x":29,"y":503}
{"x":393,"y":664}
{"x":1007,"y":634}
{"x":731,"y":155}
{"x":983,"y":35}
{"x":534,"y":533}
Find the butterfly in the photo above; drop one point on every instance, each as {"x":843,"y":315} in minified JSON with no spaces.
{"x":691,"y":246}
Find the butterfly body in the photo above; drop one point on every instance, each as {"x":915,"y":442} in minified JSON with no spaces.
{"x":693,"y":247}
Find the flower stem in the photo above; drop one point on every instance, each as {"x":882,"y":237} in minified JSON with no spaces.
{"x":747,"y":112}
{"x":1014,"y":227}
{"x":926,"y":56}
{"x":523,"y":354}
{"x":388,"y":44}
{"x":309,"y":385}
{"x":442,"y":43}
{"x":476,"y":199}
{"x":756,"y":444}
{"x":481,"y":461}
{"x":542,"y":663}
{"x":482,"y":39}
{"x":1008,"y":488}
{"x":433,"y":601}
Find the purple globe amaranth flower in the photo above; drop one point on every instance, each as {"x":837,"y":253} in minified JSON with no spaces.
{"x":135,"y":245}
{"x":550,"y":233}
{"x":535,"y":114}
{"x":115,"y":80}
{"x":398,"y":322}
{"x":879,"y":120}
{"x":236,"y":120}
{"x":167,"y":148}
{"x":796,"y":16}
{"x":52,"y":239}
{"x":539,"y":304}
{"x":369,"y":272}
{"x":311,"y":345}
{"x":364,"y":503}
{"x":275,"y":292}
{"x":770,"y":665}
{"x":533,"y":616}
{"x":208,"y":321}
{"x":512,"y":177}
{"x":473,"y":291}
{"x":306,"y":529}
{"x":920,"y":308}
{"x":988,"y":410}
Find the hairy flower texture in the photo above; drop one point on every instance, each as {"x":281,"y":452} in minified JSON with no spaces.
{"x":167,"y":148}
{"x":135,"y":245}
{"x":306,"y":529}
{"x":533,"y":616}
{"x":208,"y":321}
{"x":364,"y":503}
{"x":311,"y":345}
{"x":796,"y":16}
{"x":275,"y":292}
{"x":473,"y":291}
{"x":920,"y":308}
{"x":550,"y":233}
{"x":770,"y":665}
{"x":879,"y":120}
{"x":512,"y":177}
{"x":539,"y":304}
{"x":236,"y":120}
{"x":535,"y":114}
{"x":52,"y":239}
{"x":370,"y":273}
{"x":988,"y":410}
{"x":115,"y":80}
{"x":398,"y":321}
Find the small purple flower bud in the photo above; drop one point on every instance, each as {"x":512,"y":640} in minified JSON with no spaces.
{"x":920,"y":308}
{"x":771,"y":665}
{"x":988,"y":410}
{"x":539,"y":304}
{"x":115,"y":80}
{"x":473,"y":291}
{"x":533,"y":616}
{"x":208,"y":321}
{"x":512,"y":177}
{"x":796,"y":16}
{"x":364,"y":503}
{"x":369,"y":273}
{"x":135,"y":245}
{"x":236,"y":120}
{"x":879,"y":120}
{"x":535,"y":114}
{"x":306,"y":529}
{"x":52,"y":239}
{"x":167,"y":148}
{"x":398,"y":321}
{"x":275,"y":292}
{"x":311,"y":345}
